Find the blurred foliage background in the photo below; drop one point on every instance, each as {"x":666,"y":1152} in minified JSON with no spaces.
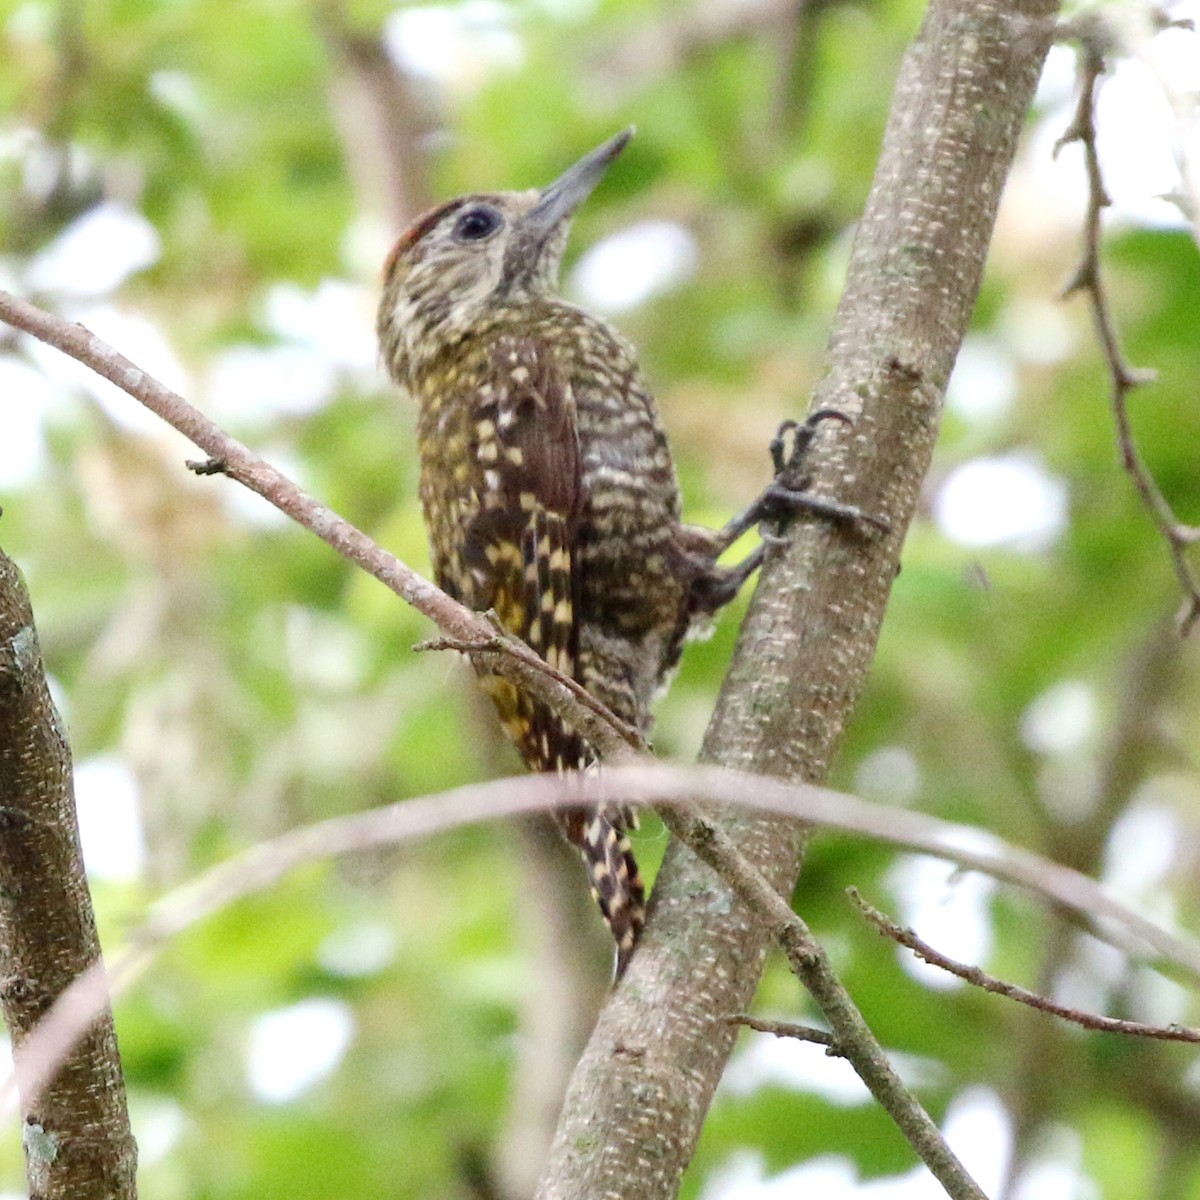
{"x":212,"y":187}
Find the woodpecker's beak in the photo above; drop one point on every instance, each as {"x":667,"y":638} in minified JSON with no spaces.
{"x":562,"y":198}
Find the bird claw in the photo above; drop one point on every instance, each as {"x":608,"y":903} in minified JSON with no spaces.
{"x":787,"y":494}
{"x":779,"y":502}
{"x":787,"y":462}
{"x":784,"y":497}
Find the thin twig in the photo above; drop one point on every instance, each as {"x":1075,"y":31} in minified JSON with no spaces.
{"x":268,"y":862}
{"x":1124,"y":378}
{"x":265,"y":864}
{"x":811,"y":966}
{"x":650,"y":783}
{"x":458,"y":645}
{"x":1000,"y":987}
{"x":789,"y":1029}
{"x":609,"y":735}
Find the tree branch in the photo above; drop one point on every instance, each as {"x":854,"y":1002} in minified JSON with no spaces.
{"x":381,"y":120}
{"x":1089,"y":278}
{"x":266,"y":863}
{"x":77,"y":1137}
{"x":810,"y":964}
{"x":226,"y":456}
{"x":808,"y":640}
{"x":789,"y":1029}
{"x":989,"y":983}
{"x":472,"y":633}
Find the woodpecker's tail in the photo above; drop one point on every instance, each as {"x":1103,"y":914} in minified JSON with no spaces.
{"x":613,"y":872}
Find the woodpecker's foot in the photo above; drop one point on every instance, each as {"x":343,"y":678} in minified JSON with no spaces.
{"x":779,"y":503}
{"x":788,"y":462}
{"x":715,"y":587}
{"x":712,"y":586}
{"x":787,"y":494}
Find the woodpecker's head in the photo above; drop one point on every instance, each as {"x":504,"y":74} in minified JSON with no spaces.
{"x":469,"y":257}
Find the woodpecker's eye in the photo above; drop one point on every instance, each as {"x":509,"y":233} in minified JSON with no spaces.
{"x":476,"y":223}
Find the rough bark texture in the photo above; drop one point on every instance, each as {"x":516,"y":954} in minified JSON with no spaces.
{"x":639,"y":1095}
{"x":78,"y":1144}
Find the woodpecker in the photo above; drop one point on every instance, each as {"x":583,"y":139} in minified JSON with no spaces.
{"x":547,"y":483}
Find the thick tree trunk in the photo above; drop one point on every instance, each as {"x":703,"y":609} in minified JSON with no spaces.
{"x":640,"y":1093}
{"x":78,"y":1144}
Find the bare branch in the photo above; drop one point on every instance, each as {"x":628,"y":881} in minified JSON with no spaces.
{"x":811,"y":966}
{"x":999,"y":987}
{"x":512,"y":658}
{"x":263,"y":865}
{"x":1124,"y":378}
{"x":787,"y":1029}
{"x":78,"y":1137}
{"x":471,"y":632}
{"x":807,"y":641}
